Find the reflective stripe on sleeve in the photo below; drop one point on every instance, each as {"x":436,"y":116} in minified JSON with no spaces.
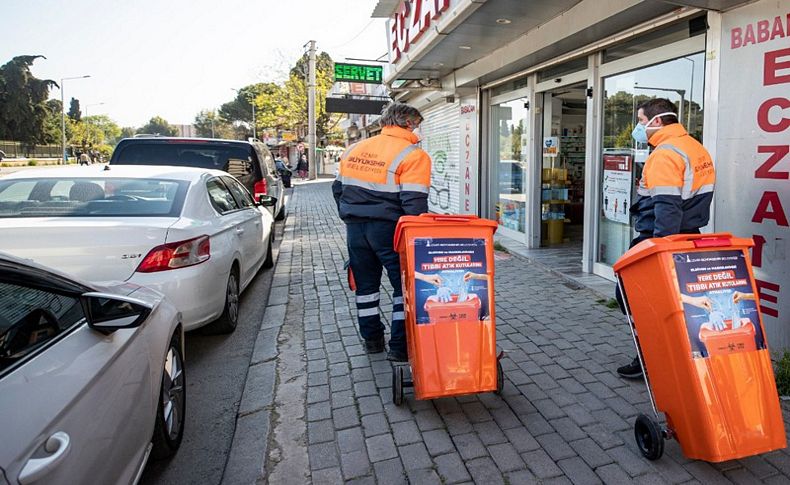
{"x":398,"y":316}
{"x":665,"y":190}
{"x":368,"y":298}
{"x":415,"y":188}
{"x":398,"y":300}
{"x":704,"y":189}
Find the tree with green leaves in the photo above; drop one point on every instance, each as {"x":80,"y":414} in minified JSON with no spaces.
{"x":126,"y":132}
{"x":23,"y":102}
{"x":158,"y":126}
{"x":74,"y":113}
{"x":209,"y":125}
{"x":296,"y":97}
{"x":52,"y":126}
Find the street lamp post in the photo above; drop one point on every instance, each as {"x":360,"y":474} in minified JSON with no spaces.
{"x":63,"y":114}
{"x":691,"y":91}
{"x":252,"y":103}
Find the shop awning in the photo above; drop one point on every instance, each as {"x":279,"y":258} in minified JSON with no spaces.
{"x":473,"y":39}
{"x":718,"y":5}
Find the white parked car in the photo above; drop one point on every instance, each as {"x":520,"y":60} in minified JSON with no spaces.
{"x":91,"y":378}
{"x":194,"y":234}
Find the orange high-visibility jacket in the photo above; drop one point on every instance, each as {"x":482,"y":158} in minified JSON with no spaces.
{"x":676,"y":188}
{"x":383,"y":178}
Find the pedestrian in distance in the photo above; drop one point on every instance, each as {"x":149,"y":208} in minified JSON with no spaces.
{"x":676,"y":188}
{"x":379,"y":180}
{"x":284,"y":172}
{"x":84,"y":158}
{"x":302,"y":166}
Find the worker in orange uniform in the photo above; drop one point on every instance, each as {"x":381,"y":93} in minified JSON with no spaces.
{"x":676,"y":188}
{"x":379,"y":180}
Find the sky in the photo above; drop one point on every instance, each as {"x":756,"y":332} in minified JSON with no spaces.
{"x":173,"y":58}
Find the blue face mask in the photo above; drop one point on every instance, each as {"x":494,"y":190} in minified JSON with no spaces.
{"x":640,"y":133}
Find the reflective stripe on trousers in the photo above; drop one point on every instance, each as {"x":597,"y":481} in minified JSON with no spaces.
{"x":370,"y":252}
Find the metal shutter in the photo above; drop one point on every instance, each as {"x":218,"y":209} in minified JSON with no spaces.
{"x":440,"y":138}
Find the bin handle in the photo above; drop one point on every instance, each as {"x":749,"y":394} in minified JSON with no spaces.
{"x":452,"y":219}
{"x":718,"y":239}
{"x":694,"y":237}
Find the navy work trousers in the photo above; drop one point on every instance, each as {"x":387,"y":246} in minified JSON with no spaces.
{"x":370,"y":250}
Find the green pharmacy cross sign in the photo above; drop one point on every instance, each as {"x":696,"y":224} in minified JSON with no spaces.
{"x":358,"y":73}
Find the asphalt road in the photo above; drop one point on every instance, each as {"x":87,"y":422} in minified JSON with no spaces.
{"x":216,"y":369}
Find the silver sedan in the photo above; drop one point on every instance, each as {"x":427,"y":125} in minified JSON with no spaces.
{"x":91,"y":378}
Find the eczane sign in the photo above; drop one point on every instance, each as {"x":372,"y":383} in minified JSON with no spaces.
{"x":753,"y":149}
{"x":410,"y":21}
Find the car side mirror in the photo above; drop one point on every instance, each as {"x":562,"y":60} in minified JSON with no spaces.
{"x":109,"y":312}
{"x":267,"y":200}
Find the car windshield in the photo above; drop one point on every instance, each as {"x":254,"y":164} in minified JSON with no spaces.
{"x":223,"y":156}
{"x":86,"y":197}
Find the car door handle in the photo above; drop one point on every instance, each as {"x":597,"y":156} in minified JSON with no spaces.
{"x":58,"y":444}
{"x":239,"y":230}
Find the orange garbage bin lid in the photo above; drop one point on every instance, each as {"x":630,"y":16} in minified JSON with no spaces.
{"x":439,"y":220}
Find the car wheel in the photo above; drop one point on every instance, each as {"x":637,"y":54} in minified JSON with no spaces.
{"x":280,"y":215}
{"x":170,"y":413}
{"x":269,"y":261}
{"x":227,"y":322}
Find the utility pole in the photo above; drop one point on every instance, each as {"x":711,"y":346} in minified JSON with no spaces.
{"x":311,"y":112}
{"x":254,"y":131}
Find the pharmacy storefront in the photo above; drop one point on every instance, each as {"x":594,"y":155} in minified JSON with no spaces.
{"x":556,"y":165}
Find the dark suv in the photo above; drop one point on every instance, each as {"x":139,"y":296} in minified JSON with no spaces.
{"x":250,"y":162}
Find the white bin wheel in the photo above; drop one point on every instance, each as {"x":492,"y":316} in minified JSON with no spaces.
{"x":649,"y":437}
{"x":500,"y":378}
{"x":397,"y":385}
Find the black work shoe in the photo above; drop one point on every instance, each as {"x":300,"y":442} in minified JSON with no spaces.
{"x":374,"y":346}
{"x":395,"y":356}
{"x":631,"y":371}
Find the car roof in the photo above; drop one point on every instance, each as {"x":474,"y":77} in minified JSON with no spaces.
{"x":124,"y":171}
{"x":165,"y":139}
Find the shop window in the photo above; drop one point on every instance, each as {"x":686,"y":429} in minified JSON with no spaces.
{"x":679,"y":80}
{"x":509,"y":153}
{"x":658,"y":38}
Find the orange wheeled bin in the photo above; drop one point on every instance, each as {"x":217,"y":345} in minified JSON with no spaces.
{"x":447,"y":271}
{"x":694,"y":313}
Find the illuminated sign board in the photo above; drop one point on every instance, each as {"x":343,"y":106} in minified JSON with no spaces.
{"x":358,"y":73}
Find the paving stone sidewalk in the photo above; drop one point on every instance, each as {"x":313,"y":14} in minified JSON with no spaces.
{"x":564,"y":417}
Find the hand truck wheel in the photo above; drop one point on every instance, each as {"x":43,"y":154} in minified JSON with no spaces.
{"x":500,"y":378}
{"x":397,"y":385}
{"x":649,"y":437}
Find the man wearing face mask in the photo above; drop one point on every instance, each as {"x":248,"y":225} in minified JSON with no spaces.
{"x":379,"y":180}
{"x":676,"y":188}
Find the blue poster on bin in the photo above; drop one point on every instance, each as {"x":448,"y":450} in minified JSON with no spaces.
{"x":451,"y":280}
{"x":718,"y":302}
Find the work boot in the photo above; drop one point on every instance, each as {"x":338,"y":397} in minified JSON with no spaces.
{"x":374,"y":346}
{"x":397,"y":356}
{"x":631,"y":371}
